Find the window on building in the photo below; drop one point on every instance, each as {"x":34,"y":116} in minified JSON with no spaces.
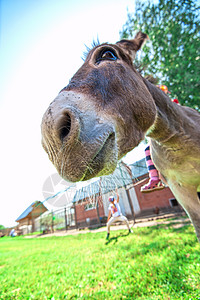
{"x":173,"y":202}
{"x":89,"y":206}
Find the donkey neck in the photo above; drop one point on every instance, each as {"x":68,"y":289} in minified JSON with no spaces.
{"x":168,"y":127}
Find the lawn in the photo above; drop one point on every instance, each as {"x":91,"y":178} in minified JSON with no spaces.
{"x":160,"y":262}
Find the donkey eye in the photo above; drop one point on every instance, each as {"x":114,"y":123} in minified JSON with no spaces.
{"x":107,"y":55}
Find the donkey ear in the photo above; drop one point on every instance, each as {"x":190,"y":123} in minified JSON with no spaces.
{"x":132,"y":46}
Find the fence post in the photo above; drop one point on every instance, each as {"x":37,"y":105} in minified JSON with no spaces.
{"x":97,"y":208}
{"x":75,"y":216}
{"x":40,"y":223}
{"x":52,"y":223}
{"x":65,"y":218}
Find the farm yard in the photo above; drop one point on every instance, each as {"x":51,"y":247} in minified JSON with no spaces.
{"x":108,"y":100}
{"x":158,"y":262}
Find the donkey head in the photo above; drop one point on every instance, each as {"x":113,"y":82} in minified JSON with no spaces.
{"x":102,"y":114}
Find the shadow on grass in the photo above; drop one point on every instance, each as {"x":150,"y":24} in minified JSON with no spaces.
{"x":115,"y":239}
{"x":173,"y":226}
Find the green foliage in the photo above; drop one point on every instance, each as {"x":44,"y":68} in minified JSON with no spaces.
{"x":173,"y":52}
{"x":46,"y":222}
{"x":49,"y":220}
{"x":2,"y":227}
{"x":152,"y":263}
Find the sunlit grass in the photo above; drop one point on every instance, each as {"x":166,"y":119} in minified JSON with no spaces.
{"x":158,"y":262}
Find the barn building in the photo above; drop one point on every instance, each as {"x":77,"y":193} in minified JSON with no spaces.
{"x":26,"y":221}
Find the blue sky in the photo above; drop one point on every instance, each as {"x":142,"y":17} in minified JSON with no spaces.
{"x":41,"y":45}
{"x":24,"y":24}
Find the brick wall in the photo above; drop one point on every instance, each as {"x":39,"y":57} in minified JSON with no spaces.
{"x":82,"y":214}
{"x":151,"y":200}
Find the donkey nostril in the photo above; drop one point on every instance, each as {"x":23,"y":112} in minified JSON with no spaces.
{"x":65,"y":126}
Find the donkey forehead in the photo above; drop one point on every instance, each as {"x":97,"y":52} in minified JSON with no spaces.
{"x":125,"y":48}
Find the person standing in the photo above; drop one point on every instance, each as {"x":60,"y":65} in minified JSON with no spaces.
{"x":13,"y":233}
{"x":115,"y":214}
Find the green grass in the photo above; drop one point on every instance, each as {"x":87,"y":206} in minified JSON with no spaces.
{"x":158,"y":262}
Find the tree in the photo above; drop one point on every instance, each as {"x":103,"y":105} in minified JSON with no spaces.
{"x":49,"y":221}
{"x":173,"y":52}
{"x":2,"y":227}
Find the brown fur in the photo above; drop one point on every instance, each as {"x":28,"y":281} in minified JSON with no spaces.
{"x":105,"y":112}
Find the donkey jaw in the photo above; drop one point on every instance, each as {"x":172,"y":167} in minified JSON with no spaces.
{"x":104,"y":162}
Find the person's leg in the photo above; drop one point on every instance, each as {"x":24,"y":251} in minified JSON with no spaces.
{"x":125,"y":220}
{"x":154,"y":182}
{"x":112,"y":220}
{"x":153,"y":173}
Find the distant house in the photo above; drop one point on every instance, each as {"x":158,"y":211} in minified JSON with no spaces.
{"x":27,"y":219}
{"x":91,"y":201}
